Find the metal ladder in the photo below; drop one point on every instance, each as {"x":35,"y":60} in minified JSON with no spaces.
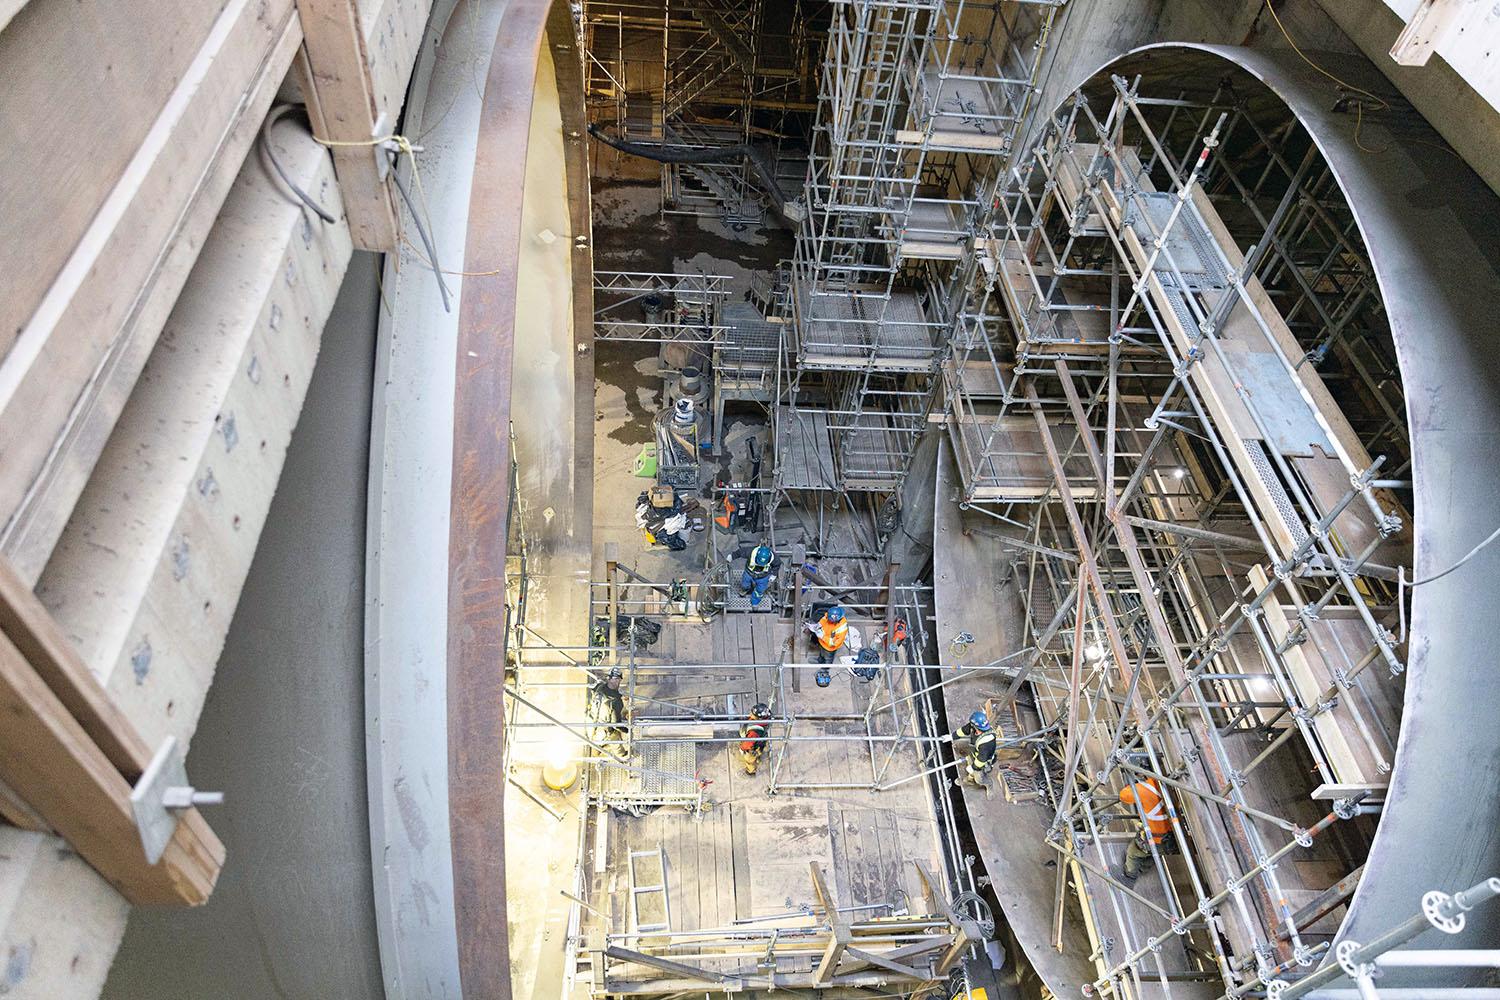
{"x":649,"y":908}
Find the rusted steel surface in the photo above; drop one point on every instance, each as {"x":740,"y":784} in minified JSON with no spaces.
{"x":480,"y":503}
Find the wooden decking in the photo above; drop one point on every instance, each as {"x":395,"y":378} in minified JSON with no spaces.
{"x":742,"y":863}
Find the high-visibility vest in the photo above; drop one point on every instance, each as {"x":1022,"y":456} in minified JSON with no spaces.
{"x":752,"y":736}
{"x":984,"y":748}
{"x":830,"y":636}
{"x":1151,"y":806}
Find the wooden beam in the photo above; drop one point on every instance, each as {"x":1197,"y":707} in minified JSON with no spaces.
{"x":79,"y":343}
{"x":904,"y":952}
{"x":1429,"y":25}
{"x":871,"y":958}
{"x":15,"y":811}
{"x":666,"y":965}
{"x":838,"y":943}
{"x":1325,"y":902}
{"x":40,"y":640}
{"x":342,"y":88}
{"x":825,"y":897}
{"x":935,"y":900}
{"x":49,"y":760}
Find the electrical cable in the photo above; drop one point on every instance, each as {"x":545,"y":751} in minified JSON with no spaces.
{"x":403,"y":145}
{"x":426,"y":240}
{"x":1384,"y":104}
{"x":277,"y":113}
{"x":1359,"y":107}
{"x":1402,"y":583}
{"x":1471,"y":554}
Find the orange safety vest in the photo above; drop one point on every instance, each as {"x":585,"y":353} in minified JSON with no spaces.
{"x":753,"y":736}
{"x":1152,"y":807}
{"x":830,"y":636}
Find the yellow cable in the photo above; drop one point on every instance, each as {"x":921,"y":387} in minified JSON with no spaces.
{"x":1342,"y":83}
{"x":457,"y":274}
{"x":1359,"y":107}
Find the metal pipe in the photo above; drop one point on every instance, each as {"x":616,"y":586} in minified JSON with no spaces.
{"x":1448,"y":908}
{"x":1468,"y":958}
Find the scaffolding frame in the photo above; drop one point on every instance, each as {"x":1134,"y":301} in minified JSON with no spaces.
{"x":1211,"y":583}
{"x":704,"y":75}
{"x":913,"y":946}
{"x":920,"y":102}
{"x":653,"y":307}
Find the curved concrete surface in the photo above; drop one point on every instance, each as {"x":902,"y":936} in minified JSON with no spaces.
{"x":292,"y":915}
{"x":970,"y":594}
{"x":406,"y":633}
{"x":440,"y":467}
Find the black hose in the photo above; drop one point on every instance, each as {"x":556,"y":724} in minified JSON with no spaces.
{"x":756,"y":154}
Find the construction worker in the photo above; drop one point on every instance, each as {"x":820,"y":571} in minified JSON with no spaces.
{"x":898,"y":635}
{"x":1143,"y":800}
{"x":753,"y":735}
{"x":758,"y":572}
{"x":607,"y":705}
{"x":662,"y":518}
{"x":983,"y":745}
{"x":831,"y":631}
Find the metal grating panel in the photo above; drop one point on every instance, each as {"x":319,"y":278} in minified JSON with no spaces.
{"x":1272,"y":483}
{"x":1188,"y":242}
{"x":668,"y":769}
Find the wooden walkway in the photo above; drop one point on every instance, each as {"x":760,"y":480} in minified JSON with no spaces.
{"x":743,"y":862}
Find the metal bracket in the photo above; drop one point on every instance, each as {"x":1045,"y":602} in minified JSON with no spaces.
{"x":1440,"y":911}
{"x":1344,"y":952}
{"x":380,"y":131}
{"x":161,"y":795}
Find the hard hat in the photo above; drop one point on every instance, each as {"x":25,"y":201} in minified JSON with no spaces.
{"x":616,"y":672}
{"x":760,"y":711}
{"x":835,"y":614}
{"x":762,"y":555}
{"x":980,"y":719}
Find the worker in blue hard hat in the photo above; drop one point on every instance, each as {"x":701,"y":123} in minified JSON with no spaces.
{"x":831,"y":631}
{"x":759,"y":568}
{"x":983,"y":745}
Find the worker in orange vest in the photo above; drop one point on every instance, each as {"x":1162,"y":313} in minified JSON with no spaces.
{"x":753,"y":736}
{"x":831,"y":631}
{"x":1144,"y":801}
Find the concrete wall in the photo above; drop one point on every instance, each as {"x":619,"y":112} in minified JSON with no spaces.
{"x":282,"y":731}
{"x":149,"y":567}
{"x":1090,"y":33}
{"x":164,"y":304}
